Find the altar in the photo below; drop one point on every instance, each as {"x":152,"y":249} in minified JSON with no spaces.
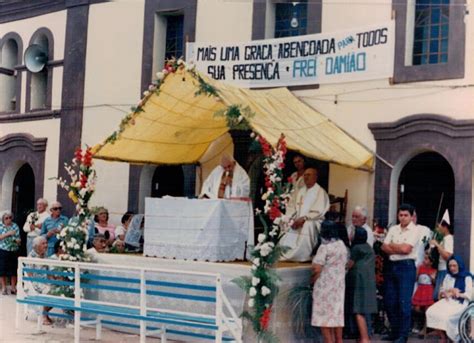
{"x":198,"y":229}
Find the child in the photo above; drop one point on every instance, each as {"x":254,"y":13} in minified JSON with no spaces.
{"x":423,"y":297}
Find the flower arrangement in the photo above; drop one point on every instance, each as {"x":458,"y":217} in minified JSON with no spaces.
{"x":262,"y":285}
{"x":80,"y":189}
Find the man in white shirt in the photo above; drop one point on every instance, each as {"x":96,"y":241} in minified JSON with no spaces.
{"x":227,"y":180}
{"x":307,"y":207}
{"x":359,"y":219}
{"x":34,"y":221}
{"x":400,"y":244}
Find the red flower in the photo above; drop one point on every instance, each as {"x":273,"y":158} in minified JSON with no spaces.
{"x":83,"y":179}
{"x":290,"y":179}
{"x":88,"y":158}
{"x":268,"y":183}
{"x":274,"y":213}
{"x":265,"y":318}
{"x":78,"y":155}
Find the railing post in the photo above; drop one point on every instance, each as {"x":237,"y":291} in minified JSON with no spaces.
{"x":98,"y":328}
{"x":142,"y":306}
{"x":219,"y":310}
{"x":77,"y":303}
{"x":20,"y":295}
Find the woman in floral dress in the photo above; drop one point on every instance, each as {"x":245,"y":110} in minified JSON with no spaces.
{"x":329,"y":268}
{"x":9,"y":245}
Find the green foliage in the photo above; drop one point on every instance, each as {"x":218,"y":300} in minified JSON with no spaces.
{"x":300,"y":300}
{"x":236,"y":116}
{"x":204,"y":87}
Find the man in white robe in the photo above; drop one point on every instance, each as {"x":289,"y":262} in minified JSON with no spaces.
{"x":307,"y":207}
{"x":228,"y":180}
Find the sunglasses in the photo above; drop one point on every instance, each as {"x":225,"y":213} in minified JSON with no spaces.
{"x":56,"y":208}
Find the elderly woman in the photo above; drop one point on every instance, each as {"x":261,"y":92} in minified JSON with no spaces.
{"x":9,"y":245}
{"x":455,"y":294}
{"x":40,"y":250}
{"x":329,"y":270}
{"x":102,"y":225}
{"x":361,"y":293}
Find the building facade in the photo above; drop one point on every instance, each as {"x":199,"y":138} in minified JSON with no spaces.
{"x":102,"y":55}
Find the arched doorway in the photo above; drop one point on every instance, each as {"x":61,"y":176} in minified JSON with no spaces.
{"x":23,"y":198}
{"x":427,"y":182}
{"x":168,"y":180}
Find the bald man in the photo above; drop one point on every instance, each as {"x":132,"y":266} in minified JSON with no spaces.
{"x":307,"y":207}
{"x":227,"y":180}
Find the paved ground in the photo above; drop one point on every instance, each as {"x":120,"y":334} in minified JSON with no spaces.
{"x":54,"y":334}
{"x":28,"y":332}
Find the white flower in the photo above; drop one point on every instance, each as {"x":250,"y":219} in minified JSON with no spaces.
{"x":256,"y":261}
{"x":261,"y":238}
{"x":73,"y":240}
{"x":160,"y":75}
{"x":63,"y":233}
{"x":255,"y":281}
{"x":266,"y":249}
{"x":70,"y":244}
{"x":76,"y":246}
{"x":258,"y":211}
{"x":251,"y":303}
{"x":254,"y":267}
{"x":180,"y":61}
{"x":252,"y":291}
{"x":240,"y":118}
{"x":265,"y":196}
{"x":146,"y":93}
{"x":265,"y":291}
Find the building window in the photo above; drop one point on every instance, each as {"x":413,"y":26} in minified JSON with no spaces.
{"x":8,"y":76}
{"x":290,"y":19}
{"x":39,"y":84}
{"x":174,"y":36}
{"x":39,"y":80}
{"x":430,"y":44}
{"x":430,"y":40}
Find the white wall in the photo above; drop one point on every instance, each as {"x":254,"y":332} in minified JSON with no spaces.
{"x":223,"y":21}
{"x":40,"y":129}
{"x":112,"y":86}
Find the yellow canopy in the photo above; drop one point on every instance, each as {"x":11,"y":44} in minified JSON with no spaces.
{"x":177,"y":127}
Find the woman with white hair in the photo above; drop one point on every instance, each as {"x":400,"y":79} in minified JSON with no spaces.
{"x":34,"y":221}
{"x":40,"y":250}
{"x":9,"y":246}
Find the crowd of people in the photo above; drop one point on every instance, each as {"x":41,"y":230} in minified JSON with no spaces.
{"x":42,"y":228}
{"x":345,"y":288}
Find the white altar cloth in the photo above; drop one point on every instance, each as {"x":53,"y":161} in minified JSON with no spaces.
{"x":197,"y":229}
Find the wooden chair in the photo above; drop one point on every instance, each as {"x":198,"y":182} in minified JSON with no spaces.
{"x":338,"y":207}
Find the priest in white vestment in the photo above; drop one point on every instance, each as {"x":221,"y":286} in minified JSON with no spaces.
{"x":307,"y":207}
{"x":228,"y":180}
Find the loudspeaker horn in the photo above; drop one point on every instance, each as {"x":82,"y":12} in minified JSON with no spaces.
{"x":35,"y":58}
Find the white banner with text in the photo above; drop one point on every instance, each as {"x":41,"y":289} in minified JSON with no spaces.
{"x":346,"y":56}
